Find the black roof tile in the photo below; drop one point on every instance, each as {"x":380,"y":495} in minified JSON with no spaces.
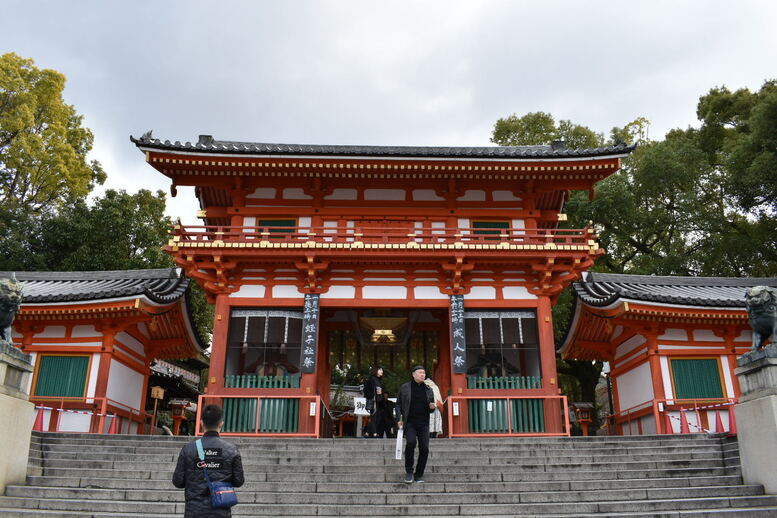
{"x":162,"y":286}
{"x":208,"y":144}
{"x":603,"y":289}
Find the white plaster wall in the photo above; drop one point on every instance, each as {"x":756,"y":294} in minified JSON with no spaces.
{"x":285,"y":291}
{"x":648,"y":425}
{"x":745,"y":336}
{"x":481,"y":292}
{"x":84,"y":332}
{"x":518,"y":223}
{"x":295,"y":193}
{"x":339,"y":292}
{"x":303,"y":224}
{"x":342,"y":194}
{"x":729,"y":384}
{"x":69,"y":422}
{"x":51,"y":332}
{"x":143,"y":329}
{"x":617,"y":332}
{"x":426,"y":195}
{"x":384,"y":292}
{"x":688,"y":347}
{"x":125,"y":385}
{"x":629,"y":345}
{"x":130,"y":342}
{"x":263,"y":193}
{"x":674,"y":334}
{"x":635,"y":386}
{"x":516,"y":293}
{"x":428,"y":292}
{"x":505,"y":196}
{"x":464,"y":223}
{"x":473,"y":195}
{"x":33,"y":360}
{"x":384,"y":194}
{"x":706,"y":335}
{"x":666,"y":376}
{"x":249,"y":221}
{"x":249,"y":290}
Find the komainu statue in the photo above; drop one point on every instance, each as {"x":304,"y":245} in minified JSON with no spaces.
{"x":10,"y":301}
{"x":761,"y":304}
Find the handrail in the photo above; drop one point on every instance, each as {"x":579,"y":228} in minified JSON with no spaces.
{"x":447,"y":235}
{"x":661,"y":408}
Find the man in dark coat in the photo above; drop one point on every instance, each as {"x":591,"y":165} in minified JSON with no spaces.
{"x":414,"y":404}
{"x":221,"y":459}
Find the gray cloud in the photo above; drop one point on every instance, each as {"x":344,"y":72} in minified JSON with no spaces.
{"x":403,"y":72}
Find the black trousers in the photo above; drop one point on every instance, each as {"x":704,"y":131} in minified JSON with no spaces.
{"x":416,"y":434}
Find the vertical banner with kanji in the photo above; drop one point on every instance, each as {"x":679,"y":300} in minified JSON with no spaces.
{"x":309,"y":333}
{"x":457,"y":335}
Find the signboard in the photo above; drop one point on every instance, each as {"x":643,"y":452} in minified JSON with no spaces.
{"x":457,"y":335}
{"x":157,"y":393}
{"x":360,"y":406}
{"x":309,"y":333}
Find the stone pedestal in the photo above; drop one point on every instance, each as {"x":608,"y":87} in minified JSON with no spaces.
{"x":16,"y":415}
{"x":756,"y":417}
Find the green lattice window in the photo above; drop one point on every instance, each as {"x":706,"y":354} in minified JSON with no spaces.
{"x":280,"y":226}
{"x":490,"y":227}
{"x":696,"y":378}
{"x":61,"y":376}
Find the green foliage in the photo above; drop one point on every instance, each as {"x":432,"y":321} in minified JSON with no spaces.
{"x":119,"y":231}
{"x":540,"y":128}
{"x":43,"y":146}
{"x":699,"y":202}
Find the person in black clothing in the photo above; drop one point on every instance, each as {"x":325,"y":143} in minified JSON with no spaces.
{"x":414,"y":404}
{"x":385,"y":417}
{"x":222,"y":460}
{"x":373,"y":393}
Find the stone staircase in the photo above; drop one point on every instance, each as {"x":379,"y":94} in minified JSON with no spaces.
{"x":668,"y":476}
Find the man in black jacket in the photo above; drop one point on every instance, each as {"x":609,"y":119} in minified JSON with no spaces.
{"x":221,"y":459}
{"x":414,"y":404}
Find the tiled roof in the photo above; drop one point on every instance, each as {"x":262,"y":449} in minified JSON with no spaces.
{"x":208,"y":144}
{"x":162,"y":286}
{"x":603,"y":289}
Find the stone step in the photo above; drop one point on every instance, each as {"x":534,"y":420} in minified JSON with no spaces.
{"x":383,"y":487}
{"x":432,"y":475}
{"x":274,"y":464}
{"x":750,"y":512}
{"x":404,"y":509}
{"x":98,"y":452}
{"x":417,"y":494}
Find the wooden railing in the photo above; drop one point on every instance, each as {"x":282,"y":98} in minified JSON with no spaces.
{"x":361,"y":235}
{"x":269,"y":416}
{"x":509,"y":416}
{"x":668,"y":416}
{"x":102,"y":413}
{"x":504,"y":382}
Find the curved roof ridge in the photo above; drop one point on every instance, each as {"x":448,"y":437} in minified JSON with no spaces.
{"x":161,"y":285}
{"x":207,"y":143}
{"x":604,"y":289}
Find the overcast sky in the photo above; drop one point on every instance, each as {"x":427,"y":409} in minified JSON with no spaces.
{"x":390,"y":72}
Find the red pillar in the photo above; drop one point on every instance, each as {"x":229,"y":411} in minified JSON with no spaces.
{"x":656,"y":376}
{"x":218,"y":350}
{"x":103,"y":372}
{"x":548,"y":363}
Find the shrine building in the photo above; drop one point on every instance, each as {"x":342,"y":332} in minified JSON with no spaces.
{"x":322,"y":256}
{"x":671,"y":343}
{"x":92,"y":337}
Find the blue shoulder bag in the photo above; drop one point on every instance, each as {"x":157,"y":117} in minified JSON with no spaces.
{"x":222,"y":494}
